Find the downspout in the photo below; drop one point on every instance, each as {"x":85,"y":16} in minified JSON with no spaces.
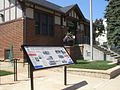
{"x":25,"y":24}
{"x":23,"y":6}
{"x":23,"y":2}
{"x":25,"y":29}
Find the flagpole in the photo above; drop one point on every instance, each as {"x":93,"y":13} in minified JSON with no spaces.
{"x":91,"y":31}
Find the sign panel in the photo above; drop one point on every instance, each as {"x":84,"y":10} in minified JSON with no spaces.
{"x":43,"y":57}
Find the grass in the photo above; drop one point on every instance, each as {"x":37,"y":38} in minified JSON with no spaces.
{"x":97,"y":65}
{"x":4,"y":73}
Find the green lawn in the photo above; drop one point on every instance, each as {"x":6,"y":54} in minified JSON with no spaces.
{"x":98,"y":65}
{"x":3,"y":73}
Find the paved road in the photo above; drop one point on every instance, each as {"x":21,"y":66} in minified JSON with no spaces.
{"x":52,"y":79}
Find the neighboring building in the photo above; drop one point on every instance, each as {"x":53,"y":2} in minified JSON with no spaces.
{"x":102,"y":39}
{"x":38,"y":22}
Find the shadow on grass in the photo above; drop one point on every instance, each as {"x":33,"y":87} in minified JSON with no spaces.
{"x":76,"y":86}
{"x":5,"y":73}
{"x":82,"y":62}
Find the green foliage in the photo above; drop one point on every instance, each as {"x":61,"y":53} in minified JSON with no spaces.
{"x":99,"y":27}
{"x":69,"y":34}
{"x":98,"y":65}
{"x":113,"y":21}
{"x":3,"y":73}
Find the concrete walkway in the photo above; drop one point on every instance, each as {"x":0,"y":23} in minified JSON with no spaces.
{"x":53,"y":79}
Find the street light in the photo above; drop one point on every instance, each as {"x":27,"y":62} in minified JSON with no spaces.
{"x":91,"y":31}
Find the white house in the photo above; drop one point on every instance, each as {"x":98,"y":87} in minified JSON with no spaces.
{"x":102,"y":39}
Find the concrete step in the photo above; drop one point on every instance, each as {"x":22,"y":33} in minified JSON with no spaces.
{"x":108,"y":52}
{"x":117,"y":57}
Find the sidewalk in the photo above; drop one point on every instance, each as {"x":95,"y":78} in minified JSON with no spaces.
{"x":52,"y":79}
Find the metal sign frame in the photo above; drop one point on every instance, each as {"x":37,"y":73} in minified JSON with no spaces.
{"x":32,"y":69}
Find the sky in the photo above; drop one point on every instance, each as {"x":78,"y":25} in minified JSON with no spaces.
{"x":98,"y":6}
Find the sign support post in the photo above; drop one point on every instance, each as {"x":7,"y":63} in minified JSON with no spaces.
{"x":15,"y":69}
{"x":65,"y":75}
{"x":0,"y":69}
{"x":31,"y":77}
{"x":29,"y":70}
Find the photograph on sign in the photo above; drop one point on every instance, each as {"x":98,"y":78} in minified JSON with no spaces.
{"x":43,"y":57}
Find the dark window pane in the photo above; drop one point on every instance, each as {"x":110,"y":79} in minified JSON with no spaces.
{"x":50,"y":25}
{"x":43,"y":23}
{"x":44,"y":30}
{"x":7,"y":53}
{"x":37,"y":23}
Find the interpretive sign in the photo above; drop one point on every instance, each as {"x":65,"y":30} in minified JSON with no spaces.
{"x":44,"y":57}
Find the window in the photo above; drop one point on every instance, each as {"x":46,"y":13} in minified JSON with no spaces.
{"x":70,"y":13}
{"x":7,"y":53}
{"x":1,"y":18}
{"x":82,"y":27}
{"x":43,"y":23}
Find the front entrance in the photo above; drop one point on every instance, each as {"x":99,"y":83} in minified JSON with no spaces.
{"x":72,"y":26}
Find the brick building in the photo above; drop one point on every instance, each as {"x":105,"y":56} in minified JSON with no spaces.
{"x":38,"y":22}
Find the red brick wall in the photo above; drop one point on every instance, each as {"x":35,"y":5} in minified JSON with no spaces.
{"x":34,"y":39}
{"x":76,"y":52}
{"x":11,"y":33}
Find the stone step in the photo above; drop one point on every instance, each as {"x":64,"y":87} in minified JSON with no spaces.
{"x":113,"y":54}
{"x":106,"y":51}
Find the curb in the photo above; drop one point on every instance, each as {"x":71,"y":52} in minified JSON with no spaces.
{"x":105,"y":74}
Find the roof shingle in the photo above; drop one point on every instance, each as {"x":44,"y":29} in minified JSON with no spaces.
{"x":46,"y":4}
{"x":53,"y":6}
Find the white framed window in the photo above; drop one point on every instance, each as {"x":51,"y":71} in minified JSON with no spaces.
{"x":7,"y":3}
{"x":1,"y":4}
{"x":81,"y":27}
{"x":12,"y":13}
{"x":7,"y":15}
{"x":70,"y":13}
{"x":12,"y":2}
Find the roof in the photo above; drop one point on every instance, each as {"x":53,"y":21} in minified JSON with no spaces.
{"x":52,"y":6}
{"x":55,"y":7}
{"x":67,"y":8}
{"x":46,"y":4}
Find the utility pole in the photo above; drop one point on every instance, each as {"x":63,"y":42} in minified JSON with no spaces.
{"x":91,"y":31}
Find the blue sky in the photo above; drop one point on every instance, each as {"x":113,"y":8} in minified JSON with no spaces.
{"x":98,"y":6}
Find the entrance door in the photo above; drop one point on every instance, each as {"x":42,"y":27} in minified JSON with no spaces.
{"x":72,"y":28}
{"x":7,"y":53}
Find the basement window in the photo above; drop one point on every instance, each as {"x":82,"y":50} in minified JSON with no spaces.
{"x":7,"y":53}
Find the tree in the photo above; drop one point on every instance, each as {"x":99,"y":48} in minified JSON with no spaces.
{"x":99,"y":27}
{"x":113,"y":23}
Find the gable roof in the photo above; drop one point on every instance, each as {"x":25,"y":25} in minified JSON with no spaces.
{"x":67,"y":8}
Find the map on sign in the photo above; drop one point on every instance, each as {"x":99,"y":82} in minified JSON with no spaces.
{"x":43,"y":57}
